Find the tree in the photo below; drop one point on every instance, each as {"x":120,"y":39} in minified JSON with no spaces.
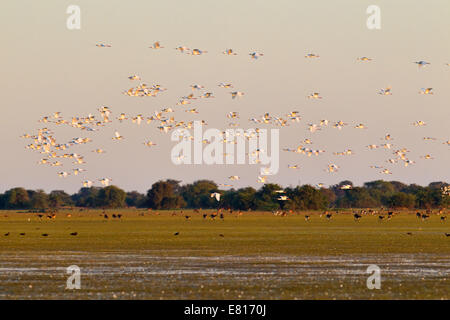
{"x":398,"y":186}
{"x":198,"y":194}
{"x":2,"y":201}
{"x":162,"y":196}
{"x":136,"y":199}
{"x":112,"y":197}
{"x":357,"y":197}
{"x":39,"y":200}
{"x":266,"y":197}
{"x":427,"y":197}
{"x":402,"y":200}
{"x":241,"y":199}
{"x":438,"y":185}
{"x":329,"y":195}
{"x":380,"y":190}
{"x":176,"y":188}
{"x":17,"y":198}
{"x":245,"y":199}
{"x":306,"y":197}
{"x":59,"y":198}
{"x":169,"y":194}
{"x":337,"y":188}
{"x":87,"y":197}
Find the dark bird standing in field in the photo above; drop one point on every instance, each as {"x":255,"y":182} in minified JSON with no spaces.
{"x":221,"y":235}
{"x":74,"y":233}
{"x":22,"y":233}
{"x":176,"y":233}
{"x":187,"y":217}
{"x":6,"y":234}
{"x":45,"y":234}
{"x":357,"y":217}
{"x":443,"y":218}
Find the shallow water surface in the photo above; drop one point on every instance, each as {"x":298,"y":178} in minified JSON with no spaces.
{"x":156,"y":275}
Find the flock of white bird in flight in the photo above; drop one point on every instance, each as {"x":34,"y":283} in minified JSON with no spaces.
{"x":54,"y":152}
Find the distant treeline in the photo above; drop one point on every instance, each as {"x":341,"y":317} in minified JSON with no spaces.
{"x":169,"y":194}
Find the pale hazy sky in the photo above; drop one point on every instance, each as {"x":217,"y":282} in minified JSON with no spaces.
{"x":46,"y":68}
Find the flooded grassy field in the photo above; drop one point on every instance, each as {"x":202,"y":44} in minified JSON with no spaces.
{"x":252,"y":256}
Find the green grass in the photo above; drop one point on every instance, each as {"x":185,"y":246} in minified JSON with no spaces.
{"x":256,"y":236}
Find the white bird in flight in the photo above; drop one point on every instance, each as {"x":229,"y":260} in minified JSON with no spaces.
{"x":182,"y":49}
{"x":197,"y":87}
{"x":314,"y":95}
{"x":255,"y":55}
{"x":262,"y":179}
{"x":215,"y":195}
{"x":419,"y":123}
{"x":385,"y":92}
{"x":332,"y":168}
{"x":365,"y":59}
{"x":426,"y":91}
{"x":225,"y":85}
{"x":105,"y":181}
{"x":229,"y":52}
{"x":421,"y":63}
{"x":197,"y":52}
{"x":149,"y":143}
{"x":236,"y":94}
{"x":117,"y":136}
{"x":76,"y":171}
{"x":87,"y":183}
{"x":156,"y":45}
